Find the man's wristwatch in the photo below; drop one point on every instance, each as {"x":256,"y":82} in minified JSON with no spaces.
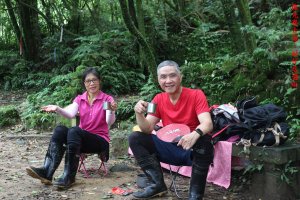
{"x":198,"y":130}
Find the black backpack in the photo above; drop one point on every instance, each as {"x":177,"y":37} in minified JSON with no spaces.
{"x":266,"y":124}
{"x":262,"y":125}
{"x":225,"y":125}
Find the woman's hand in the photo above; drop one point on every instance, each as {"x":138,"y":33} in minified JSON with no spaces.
{"x":50,"y":108}
{"x":113,"y":106}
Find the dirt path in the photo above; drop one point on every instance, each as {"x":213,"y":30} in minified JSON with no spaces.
{"x":16,"y":153}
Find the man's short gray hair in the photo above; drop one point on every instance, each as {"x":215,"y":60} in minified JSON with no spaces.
{"x":168,"y":63}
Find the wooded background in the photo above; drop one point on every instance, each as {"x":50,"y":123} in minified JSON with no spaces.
{"x":229,"y":48}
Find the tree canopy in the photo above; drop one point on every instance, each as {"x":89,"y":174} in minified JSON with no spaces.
{"x":228,"y":48}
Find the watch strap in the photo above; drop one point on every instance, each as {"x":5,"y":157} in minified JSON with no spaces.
{"x":198,"y":130}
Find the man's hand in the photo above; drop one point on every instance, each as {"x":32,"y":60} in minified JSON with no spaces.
{"x":49,"y":108}
{"x":188,"y":141}
{"x":141,"y":107}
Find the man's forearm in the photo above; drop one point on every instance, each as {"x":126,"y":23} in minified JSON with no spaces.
{"x":143,"y":123}
{"x":205,"y":127}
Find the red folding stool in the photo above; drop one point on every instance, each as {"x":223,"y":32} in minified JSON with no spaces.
{"x":103,"y":157}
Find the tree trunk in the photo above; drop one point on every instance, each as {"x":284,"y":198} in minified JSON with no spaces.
{"x":132,"y":12}
{"x":141,"y":39}
{"x":245,"y":17}
{"x":30,"y":29}
{"x":49,"y":16}
{"x":75,"y":17}
{"x":141,"y":27}
{"x":13,"y":19}
{"x":234,"y":27}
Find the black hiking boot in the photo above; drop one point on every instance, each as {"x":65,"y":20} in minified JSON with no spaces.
{"x":53,"y":158}
{"x":151,"y":167}
{"x":70,"y":170}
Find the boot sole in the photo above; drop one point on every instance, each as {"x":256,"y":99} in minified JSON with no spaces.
{"x":156,"y":195}
{"x":32,"y":173}
{"x":61,"y":187}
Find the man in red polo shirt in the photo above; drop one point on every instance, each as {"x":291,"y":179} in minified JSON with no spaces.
{"x":181,"y":105}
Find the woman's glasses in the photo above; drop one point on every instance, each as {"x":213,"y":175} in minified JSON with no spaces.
{"x":89,"y":82}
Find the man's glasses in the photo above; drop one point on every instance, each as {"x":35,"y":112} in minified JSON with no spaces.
{"x":89,"y":82}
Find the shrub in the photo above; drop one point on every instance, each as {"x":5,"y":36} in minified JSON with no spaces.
{"x":8,"y":116}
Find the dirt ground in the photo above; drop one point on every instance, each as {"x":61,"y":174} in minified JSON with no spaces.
{"x":20,"y":148}
{"x":19,"y":151}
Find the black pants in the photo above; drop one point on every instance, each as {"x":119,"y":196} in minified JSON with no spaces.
{"x":143,"y":145}
{"x":75,"y":138}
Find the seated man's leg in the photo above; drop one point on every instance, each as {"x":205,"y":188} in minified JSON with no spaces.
{"x":144,"y":151}
{"x":202,"y":158}
{"x":172,"y":154}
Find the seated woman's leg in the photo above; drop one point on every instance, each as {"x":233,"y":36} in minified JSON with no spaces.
{"x":53,"y":156}
{"x":144,"y":150}
{"x":78,"y":141}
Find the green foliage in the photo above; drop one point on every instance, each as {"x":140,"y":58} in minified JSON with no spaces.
{"x":149,"y":90}
{"x":294,"y":128}
{"x":203,"y":44}
{"x":9,"y":115}
{"x":276,"y":18}
{"x":12,"y":70}
{"x":118,"y":79}
{"x":208,"y":77}
{"x":61,"y":91}
{"x":251,"y":168}
{"x":288,"y":172}
{"x":125,"y":108}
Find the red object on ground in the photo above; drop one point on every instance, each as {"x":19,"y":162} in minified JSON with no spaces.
{"x":173,"y":132}
{"x":120,"y":191}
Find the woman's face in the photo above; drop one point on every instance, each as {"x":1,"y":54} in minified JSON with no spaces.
{"x":92,"y":84}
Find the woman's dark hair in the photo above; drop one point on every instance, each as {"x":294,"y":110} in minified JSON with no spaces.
{"x":90,"y":70}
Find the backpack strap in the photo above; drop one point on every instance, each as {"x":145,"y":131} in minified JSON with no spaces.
{"x":220,"y":131}
{"x":262,"y":136}
{"x":247,"y":144}
{"x":276,"y":130}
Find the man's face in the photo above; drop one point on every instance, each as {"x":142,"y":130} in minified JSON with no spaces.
{"x":169,"y":79}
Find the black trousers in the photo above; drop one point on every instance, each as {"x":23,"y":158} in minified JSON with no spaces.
{"x":76,"y":137}
{"x":143,"y":145}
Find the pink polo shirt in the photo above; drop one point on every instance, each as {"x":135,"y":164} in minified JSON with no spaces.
{"x":92,"y":117}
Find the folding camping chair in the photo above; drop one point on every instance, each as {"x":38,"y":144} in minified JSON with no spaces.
{"x":174,"y":172}
{"x":103,"y":157}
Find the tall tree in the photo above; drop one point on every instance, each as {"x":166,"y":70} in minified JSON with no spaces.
{"x":47,"y":9}
{"x":13,"y":19}
{"x":246,"y":20}
{"x":30,"y":28}
{"x":141,"y":28}
{"x":140,"y":38}
{"x":234,"y":27}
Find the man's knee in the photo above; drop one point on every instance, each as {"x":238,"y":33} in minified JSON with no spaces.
{"x":134,"y":137}
{"x":203,"y":151}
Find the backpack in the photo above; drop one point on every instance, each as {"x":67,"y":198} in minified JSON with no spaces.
{"x":266,"y":124}
{"x":261,"y":125}
{"x":226,"y":123}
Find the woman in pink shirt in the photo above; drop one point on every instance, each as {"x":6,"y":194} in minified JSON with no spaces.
{"x":91,"y":136}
